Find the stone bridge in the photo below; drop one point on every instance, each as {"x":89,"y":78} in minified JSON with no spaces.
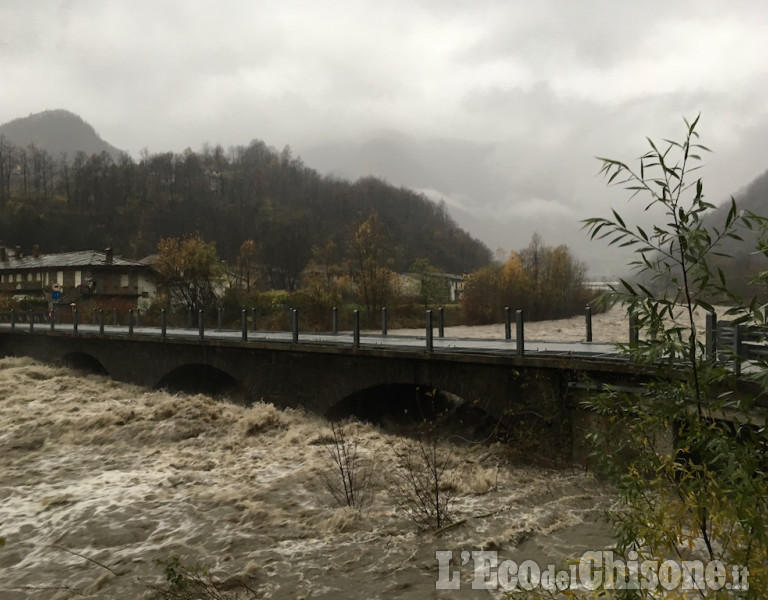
{"x":532,"y":393}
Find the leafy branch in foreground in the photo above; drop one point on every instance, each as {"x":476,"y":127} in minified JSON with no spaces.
{"x":688,"y":452}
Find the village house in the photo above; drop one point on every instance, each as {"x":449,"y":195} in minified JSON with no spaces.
{"x":88,"y":279}
{"x":454,"y":284}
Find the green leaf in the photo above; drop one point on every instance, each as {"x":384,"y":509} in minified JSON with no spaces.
{"x":692,"y":126}
{"x":628,"y":287}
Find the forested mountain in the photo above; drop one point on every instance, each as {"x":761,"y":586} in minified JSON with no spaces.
{"x":744,"y":260}
{"x":94,"y":200}
{"x":57,"y":132}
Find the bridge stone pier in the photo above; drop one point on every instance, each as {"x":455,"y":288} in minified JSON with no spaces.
{"x":531,"y":396}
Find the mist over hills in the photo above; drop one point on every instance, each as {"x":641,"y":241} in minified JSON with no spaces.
{"x":389,"y":155}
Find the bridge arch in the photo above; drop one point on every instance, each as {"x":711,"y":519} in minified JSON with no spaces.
{"x":405,"y":406}
{"x":84,"y":362}
{"x":201,"y":378}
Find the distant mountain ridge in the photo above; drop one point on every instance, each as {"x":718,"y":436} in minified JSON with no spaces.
{"x":57,"y":132}
{"x":754,"y":196}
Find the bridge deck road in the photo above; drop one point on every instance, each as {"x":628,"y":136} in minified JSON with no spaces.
{"x":414,"y":343}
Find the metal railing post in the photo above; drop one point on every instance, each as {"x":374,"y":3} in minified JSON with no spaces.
{"x":31,"y":321}
{"x":588,"y":318}
{"x":383,"y":320}
{"x":295,"y":325}
{"x":430,"y":341}
{"x":335,"y":320}
{"x":634,"y":333}
{"x":114,"y":317}
{"x":507,"y":323}
{"x":13,"y":319}
{"x":200,"y":323}
{"x":520,"y":331}
{"x":711,"y":337}
{"x":163,"y":323}
{"x":74,"y":320}
{"x":130,"y":321}
{"x":441,"y":322}
{"x":356,"y":333}
{"x":101,"y":322}
{"x":244,"y":324}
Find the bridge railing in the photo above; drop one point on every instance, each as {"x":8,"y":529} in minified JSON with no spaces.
{"x":736,"y":343}
{"x":18,"y":316}
{"x":106,"y":321}
{"x":727,"y":341}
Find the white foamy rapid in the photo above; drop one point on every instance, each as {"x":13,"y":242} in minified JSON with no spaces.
{"x":99,"y":480}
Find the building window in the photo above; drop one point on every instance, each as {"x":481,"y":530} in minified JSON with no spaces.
{"x":78,"y":278}
{"x":60,"y":277}
{"x":124,"y":280}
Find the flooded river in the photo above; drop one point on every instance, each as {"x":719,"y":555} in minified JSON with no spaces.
{"x":100,"y":480}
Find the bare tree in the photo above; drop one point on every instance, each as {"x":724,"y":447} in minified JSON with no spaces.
{"x":421,"y":484}
{"x":348,"y":475}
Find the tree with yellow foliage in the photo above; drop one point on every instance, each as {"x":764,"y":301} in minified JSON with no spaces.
{"x":190,"y":271}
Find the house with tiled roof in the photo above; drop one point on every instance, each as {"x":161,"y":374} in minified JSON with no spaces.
{"x":87,"y":278}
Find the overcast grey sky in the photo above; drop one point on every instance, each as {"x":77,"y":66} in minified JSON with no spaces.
{"x":497,"y":107}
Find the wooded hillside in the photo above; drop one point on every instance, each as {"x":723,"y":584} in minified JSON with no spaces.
{"x":80,"y":201}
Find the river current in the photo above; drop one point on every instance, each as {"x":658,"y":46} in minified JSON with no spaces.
{"x":101,"y":480}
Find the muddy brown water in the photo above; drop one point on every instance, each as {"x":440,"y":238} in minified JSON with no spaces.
{"x":100,"y":480}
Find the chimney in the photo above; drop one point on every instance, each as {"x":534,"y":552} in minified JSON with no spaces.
{"x":17,"y":253}
{"x":36,"y":251}
{"x":3,"y":257}
{"x":109,"y":256}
